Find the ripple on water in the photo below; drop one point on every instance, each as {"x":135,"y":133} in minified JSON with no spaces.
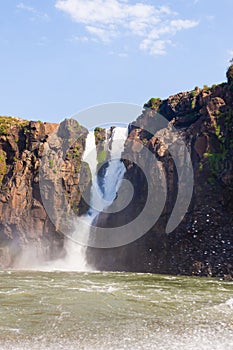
{"x":68,"y":310}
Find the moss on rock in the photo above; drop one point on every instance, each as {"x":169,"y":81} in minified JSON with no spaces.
{"x":3,"y":166}
{"x":6,"y":123}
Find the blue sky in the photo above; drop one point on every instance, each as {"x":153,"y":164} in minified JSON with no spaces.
{"x":60,"y":57}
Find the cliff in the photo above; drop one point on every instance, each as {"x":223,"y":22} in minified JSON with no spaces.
{"x":202,"y":244}
{"x":26,"y":147}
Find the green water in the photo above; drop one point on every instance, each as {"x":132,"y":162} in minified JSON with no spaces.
{"x":71,"y":310}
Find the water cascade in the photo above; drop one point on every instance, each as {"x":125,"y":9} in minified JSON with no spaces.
{"x":116,"y":169}
{"x":101,"y":196}
{"x":75,"y":258}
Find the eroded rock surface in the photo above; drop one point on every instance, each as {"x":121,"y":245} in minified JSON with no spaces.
{"x":202,"y":244}
{"x":40,"y":166}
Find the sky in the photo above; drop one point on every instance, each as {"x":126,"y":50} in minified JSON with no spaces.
{"x":59,"y":57}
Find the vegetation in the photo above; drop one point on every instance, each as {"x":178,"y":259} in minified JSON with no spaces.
{"x":76,"y":151}
{"x":98,"y":129}
{"x":3,"y":166}
{"x":101,"y":156}
{"x":193,"y":103}
{"x":51,"y":163}
{"x":218,"y":159}
{"x":206,"y":88}
{"x":193,"y":93}
{"x":99,"y":134}
{"x":6,"y":123}
{"x":153,"y":103}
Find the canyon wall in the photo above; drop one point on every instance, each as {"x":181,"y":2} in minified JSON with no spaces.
{"x":28,"y":151}
{"x":202,"y":244}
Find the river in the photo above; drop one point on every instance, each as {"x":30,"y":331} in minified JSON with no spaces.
{"x":94,"y":310}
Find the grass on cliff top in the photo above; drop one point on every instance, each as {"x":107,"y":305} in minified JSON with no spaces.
{"x":7,"y":122}
{"x":153,"y":103}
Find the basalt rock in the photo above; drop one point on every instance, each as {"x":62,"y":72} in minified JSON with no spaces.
{"x":202,"y":244}
{"x":40,"y":164}
{"x":42,"y":178}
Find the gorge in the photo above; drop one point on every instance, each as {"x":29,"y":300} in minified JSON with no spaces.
{"x":47,"y":184}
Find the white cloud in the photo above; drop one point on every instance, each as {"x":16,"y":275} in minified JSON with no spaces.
{"x":25,"y":7}
{"x":34,"y":12}
{"x":119,"y":54}
{"x":152,"y":26}
{"x":180,"y":24}
{"x":77,"y":38}
{"x":156,"y":48}
{"x":102,"y":33}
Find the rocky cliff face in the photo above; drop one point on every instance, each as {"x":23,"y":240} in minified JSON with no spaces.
{"x":203,"y":242}
{"x":38,"y":159}
{"x":40,"y":173}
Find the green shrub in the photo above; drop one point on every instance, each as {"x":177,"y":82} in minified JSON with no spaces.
{"x":206,"y":88}
{"x":51,"y":163}
{"x":98,"y":129}
{"x":153,"y":103}
{"x":76,"y":151}
{"x":99,"y":134}
{"x":7,"y":122}
{"x":193,"y":93}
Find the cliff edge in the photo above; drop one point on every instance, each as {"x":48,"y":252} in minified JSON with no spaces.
{"x":202,"y":244}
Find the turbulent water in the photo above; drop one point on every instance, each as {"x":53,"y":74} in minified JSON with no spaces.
{"x":71,"y":310}
{"x":93,"y":310}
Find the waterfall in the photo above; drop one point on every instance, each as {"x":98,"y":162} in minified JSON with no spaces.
{"x":76,"y":253}
{"x":75,"y":258}
{"x":104,"y":196}
{"x":100,"y":198}
{"x":116,"y":169}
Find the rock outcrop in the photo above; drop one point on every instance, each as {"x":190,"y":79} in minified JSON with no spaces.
{"x":41,"y":182}
{"x":38,"y":160}
{"x":202,"y":244}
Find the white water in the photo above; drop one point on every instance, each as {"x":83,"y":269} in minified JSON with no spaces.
{"x":75,"y":259}
{"x":116,"y":168}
